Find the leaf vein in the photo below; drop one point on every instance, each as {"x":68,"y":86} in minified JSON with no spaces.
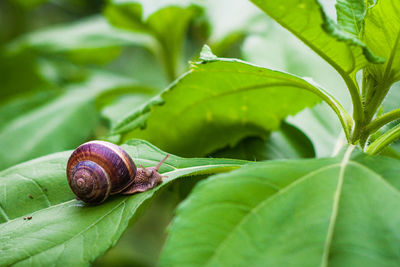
{"x":76,"y":235}
{"x":264,"y":202}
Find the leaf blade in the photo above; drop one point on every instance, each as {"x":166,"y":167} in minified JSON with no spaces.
{"x":262,"y":214}
{"x":66,"y":231}
{"x":222,"y":95}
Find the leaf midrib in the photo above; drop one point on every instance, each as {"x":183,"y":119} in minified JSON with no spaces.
{"x":264,"y":202}
{"x":335,"y":207}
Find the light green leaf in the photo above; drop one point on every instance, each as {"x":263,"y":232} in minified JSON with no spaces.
{"x":91,"y":40}
{"x":384,"y":140}
{"x":308,"y":22}
{"x":319,"y":124}
{"x":17,"y":106}
{"x":350,"y":26}
{"x":91,"y":32}
{"x":115,"y":104}
{"x":382,"y":35}
{"x":392,"y":100}
{"x":392,"y":151}
{"x":325,"y":212}
{"x":304,"y":18}
{"x":63,"y":230}
{"x":167,"y":25}
{"x":218,"y":103}
{"x":206,"y":54}
{"x":286,"y":143}
{"x":61,"y":124}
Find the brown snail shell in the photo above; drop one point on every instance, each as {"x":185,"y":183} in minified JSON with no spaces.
{"x":98,"y":169}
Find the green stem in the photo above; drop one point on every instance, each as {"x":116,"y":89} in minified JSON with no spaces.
{"x":344,"y":118}
{"x":382,"y":87}
{"x":382,"y":120}
{"x":384,"y":140}
{"x":358,"y":111}
{"x":376,"y":101}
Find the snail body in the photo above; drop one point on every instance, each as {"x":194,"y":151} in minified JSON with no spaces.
{"x":98,"y":169}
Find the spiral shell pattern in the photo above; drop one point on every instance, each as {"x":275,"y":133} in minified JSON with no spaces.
{"x":98,"y":169}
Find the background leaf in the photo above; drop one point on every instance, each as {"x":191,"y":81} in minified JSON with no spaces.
{"x":64,"y":230}
{"x":167,"y":25}
{"x":57,"y":125}
{"x":286,"y":143}
{"x":91,"y":40}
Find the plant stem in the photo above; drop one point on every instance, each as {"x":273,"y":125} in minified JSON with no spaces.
{"x":358,"y":110}
{"x":382,"y":120}
{"x":344,"y":117}
{"x":379,"y":95}
{"x":384,"y":140}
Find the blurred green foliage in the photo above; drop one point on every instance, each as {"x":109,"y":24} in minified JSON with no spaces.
{"x":72,"y":70}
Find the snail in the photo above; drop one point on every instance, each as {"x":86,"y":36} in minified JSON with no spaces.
{"x":98,"y":169}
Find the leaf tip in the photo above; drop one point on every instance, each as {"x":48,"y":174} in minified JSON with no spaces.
{"x":206,"y":54}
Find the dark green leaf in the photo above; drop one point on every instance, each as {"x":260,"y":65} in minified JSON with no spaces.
{"x":286,"y":143}
{"x":12,"y":67}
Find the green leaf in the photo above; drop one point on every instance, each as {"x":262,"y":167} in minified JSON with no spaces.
{"x":57,"y":125}
{"x":114,"y":104}
{"x":65,"y":231}
{"x":382,"y":35}
{"x":17,"y":106}
{"x":218,"y":103}
{"x":91,"y":40}
{"x":29,"y":4}
{"x":391,"y":102}
{"x":167,"y":25}
{"x":286,"y":143}
{"x":319,"y":212}
{"x":11,"y":69}
{"x":304,"y":18}
{"x":384,"y":140}
{"x":392,"y":151}
{"x":320,"y":126}
{"x":206,"y":54}
{"x":334,"y":43}
{"x":350,"y":26}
